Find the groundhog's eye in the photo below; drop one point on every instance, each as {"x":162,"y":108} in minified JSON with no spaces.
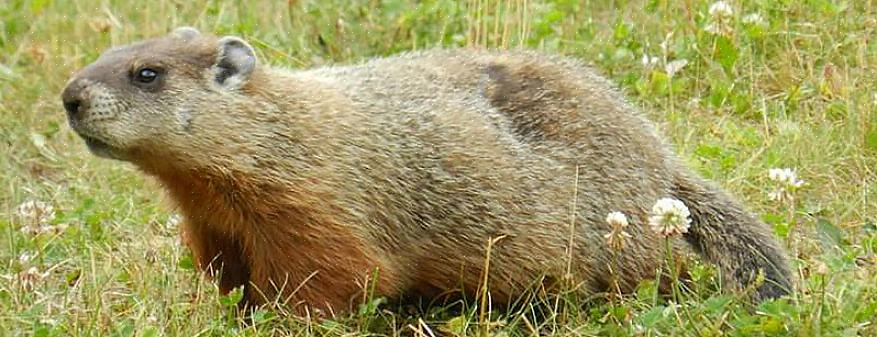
{"x":146,"y":75}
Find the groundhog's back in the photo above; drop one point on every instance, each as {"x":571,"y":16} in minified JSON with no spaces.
{"x":452,"y":148}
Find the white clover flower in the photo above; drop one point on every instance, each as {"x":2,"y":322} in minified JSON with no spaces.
{"x":25,"y":257}
{"x":669,"y":217}
{"x":36,"y":217}
{"x":786,"y":177}
{"x":787,"y":182}
{"x":174,"y":220}
{"x":721,"y":9}
{"x":754,"y":19}
{"x":776,"y":174}
{"x":675,"y":66}
{"x":36,"y":211}
{"x":649,"y":61}
{"x":665,"y":45}
{"x":721,"y":15}
{"x":617,"y":219}
{"x":617,"y":238}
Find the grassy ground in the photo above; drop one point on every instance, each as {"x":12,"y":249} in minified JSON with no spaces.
{"x":773,"y":83}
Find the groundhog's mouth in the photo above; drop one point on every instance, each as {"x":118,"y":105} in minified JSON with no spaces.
{"x":100,"y":148}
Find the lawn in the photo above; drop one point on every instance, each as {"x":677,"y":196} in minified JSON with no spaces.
{"x":90,"y":246}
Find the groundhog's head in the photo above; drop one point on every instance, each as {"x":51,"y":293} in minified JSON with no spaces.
{"x":142,"y":97}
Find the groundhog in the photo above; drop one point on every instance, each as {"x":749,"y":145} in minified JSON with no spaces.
{"x":307,"y":187}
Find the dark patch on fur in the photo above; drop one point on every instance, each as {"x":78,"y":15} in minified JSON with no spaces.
{"x":526,"y":99}
{"x":219,"y":256}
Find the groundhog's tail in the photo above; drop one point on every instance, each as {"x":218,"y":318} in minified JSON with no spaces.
{"x":742,"y":246}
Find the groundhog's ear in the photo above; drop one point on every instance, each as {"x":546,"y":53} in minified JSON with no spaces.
{"x":235,"y":62}
{"x":185,"y":33}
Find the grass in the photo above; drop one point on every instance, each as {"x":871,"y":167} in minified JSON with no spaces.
{"x":793,"y":89}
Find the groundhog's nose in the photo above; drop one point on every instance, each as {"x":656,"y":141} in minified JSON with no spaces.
{"x":72,"y":98}
{"x":72,"y":107}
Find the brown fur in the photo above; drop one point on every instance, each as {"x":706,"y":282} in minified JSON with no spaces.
{"x":300,"y":185}
{"x":243,"y":231}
